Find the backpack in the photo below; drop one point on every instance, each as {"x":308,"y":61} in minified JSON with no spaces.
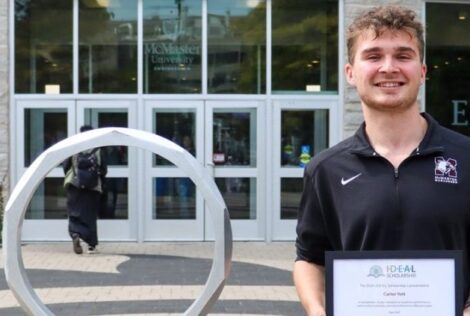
{"x":87,"y":172}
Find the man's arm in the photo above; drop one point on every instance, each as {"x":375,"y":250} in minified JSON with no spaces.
{"x":309,"y":280}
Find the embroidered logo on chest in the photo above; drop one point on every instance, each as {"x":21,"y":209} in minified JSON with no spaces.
{"x":445,"y":170}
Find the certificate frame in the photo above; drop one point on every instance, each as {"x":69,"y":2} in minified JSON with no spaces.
{"x":428,"y":255}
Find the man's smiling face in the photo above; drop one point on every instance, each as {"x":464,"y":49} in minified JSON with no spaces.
{"x":386,"y":70}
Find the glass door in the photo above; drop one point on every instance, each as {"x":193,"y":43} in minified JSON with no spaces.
{"x":173,"y":207}
{"x":118,"y":216}
{"x":234,"y":137}
{"x":302,"y":129}
{"x":39,"y":125}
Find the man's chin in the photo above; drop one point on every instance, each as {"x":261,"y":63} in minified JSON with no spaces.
{"x":388,"y":105}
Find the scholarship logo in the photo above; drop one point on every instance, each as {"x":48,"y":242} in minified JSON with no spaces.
{"x":376,"y":271}
{"x":392,"y":271}
{"x":445,"y":170}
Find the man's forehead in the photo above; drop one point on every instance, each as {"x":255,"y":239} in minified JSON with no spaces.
{"x":371,"y":39}
{"x":387,"y":34}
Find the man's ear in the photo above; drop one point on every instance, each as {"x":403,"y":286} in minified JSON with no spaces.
{"x":348,"y":71}
{"x":423,"y":73}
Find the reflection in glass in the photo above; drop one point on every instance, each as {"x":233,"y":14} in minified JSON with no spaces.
{"x":174,"y":198}
{"x":448,"y":61}
{"x":49,"y":201}
{"x":172,"y":46}
{"x":97,"y":118}
{"x":115,"y":199}
{"x":303,"y":134}
{"x":291,"y":191}
{"x":43,"y":45}
{"x":179,"y":127}
{"x":234,"y":137}
{"x":236,"y":46}
{"x":239,"y":195}
{"x":43,"y":128}
{"x":108,"y":46}
{"x":305,"y":46}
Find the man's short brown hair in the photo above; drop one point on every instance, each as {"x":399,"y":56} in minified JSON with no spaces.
{"x":383,"y":18}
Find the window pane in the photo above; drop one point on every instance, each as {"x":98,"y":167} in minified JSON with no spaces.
{"x":234,"y":137}
{"x":43,"y":45}
{"x":448,"y":61}
{"x":236,"y":46}
{"x":49,"y":201}
{"x":115,"y":155}
{"x":175,"y":198}
{"x":239,"y":195}
{"x":43,"y":128}
{"x":114,"y":201}
{"x":304,"y":134}
{"x":108,"y":46}
{"x":305,"y":46}
{"x":179,"y":127}
{"x":291,"y":191}
{"x":172,"y":46}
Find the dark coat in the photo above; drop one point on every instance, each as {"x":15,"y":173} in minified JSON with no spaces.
{"x":83,"y":205}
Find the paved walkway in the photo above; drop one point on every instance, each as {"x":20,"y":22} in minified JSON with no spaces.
{"x":155,"y":279}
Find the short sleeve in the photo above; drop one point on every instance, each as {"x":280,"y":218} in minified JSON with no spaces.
{"x":312,"y":240}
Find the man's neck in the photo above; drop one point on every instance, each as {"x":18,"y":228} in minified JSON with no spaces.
{"x":395,"y":136}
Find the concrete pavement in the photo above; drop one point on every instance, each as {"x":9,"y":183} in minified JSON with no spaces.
{"x":156,"y":279}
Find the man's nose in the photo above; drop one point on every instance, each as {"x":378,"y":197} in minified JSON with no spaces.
{"x":388,"y":65}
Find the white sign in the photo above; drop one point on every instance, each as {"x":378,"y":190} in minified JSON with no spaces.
{"x":393,"y":286}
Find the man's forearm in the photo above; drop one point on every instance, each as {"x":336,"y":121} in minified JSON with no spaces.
{"x":309,"y":281}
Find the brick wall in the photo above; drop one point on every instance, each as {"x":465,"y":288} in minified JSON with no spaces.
{"x":352,"y":108}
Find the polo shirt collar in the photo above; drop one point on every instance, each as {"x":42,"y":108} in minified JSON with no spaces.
{"x":431,"y":143}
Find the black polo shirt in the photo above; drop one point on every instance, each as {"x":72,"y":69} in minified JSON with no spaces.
{"x":354,"y":199}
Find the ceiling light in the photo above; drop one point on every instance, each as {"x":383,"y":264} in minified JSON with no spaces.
{"x":96,"y":3}
{"x":252,"y":3}
{"x":462,"y":15}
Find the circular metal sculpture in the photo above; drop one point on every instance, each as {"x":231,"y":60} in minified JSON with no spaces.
{"x":21,"y":195}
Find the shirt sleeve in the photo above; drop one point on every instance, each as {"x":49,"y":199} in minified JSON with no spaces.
{"x":312,"y":240}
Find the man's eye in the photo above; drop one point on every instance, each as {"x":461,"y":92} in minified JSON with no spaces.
{"x":403,"y":57}
{"x":373,"y":57}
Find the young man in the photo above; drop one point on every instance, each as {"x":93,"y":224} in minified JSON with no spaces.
{"x":402,"y":181}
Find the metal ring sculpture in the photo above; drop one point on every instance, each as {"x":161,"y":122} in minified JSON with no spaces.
{"x":21,"y":195}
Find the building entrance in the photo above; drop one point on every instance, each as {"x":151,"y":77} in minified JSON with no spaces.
{"x":147,"y":198}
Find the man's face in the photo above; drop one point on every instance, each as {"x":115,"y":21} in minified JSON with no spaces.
{"x":387,"y":71}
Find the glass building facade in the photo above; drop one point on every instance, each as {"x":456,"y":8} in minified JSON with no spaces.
{"x":253,"y":89}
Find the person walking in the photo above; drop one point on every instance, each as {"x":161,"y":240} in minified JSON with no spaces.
{"x":84,"y":186}
{"x":402,"y":181}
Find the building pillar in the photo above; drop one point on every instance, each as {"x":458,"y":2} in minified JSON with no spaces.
{"x":4,"y":96}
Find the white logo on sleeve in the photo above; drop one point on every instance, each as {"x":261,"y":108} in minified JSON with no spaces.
{"x":346,"y":181}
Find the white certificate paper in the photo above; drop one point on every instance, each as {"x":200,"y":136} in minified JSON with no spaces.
{"x":393,"y":286}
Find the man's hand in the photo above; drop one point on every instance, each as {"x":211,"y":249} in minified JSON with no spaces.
{"x":466,"y":312}
{"x":321,"y":312}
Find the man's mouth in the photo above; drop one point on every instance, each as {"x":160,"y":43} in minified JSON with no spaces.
{"x":394,"y":84}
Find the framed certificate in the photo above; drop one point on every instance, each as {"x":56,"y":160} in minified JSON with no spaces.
{"x":403,"y":283}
